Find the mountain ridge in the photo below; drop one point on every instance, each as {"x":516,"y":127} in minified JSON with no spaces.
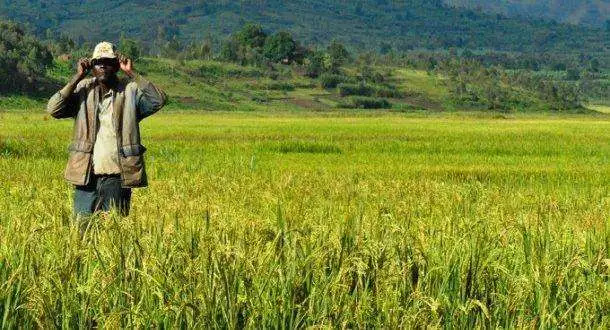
{"x":587,"y":12}
{"x":360,"y":24}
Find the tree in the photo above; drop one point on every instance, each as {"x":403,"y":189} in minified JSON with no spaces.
{"x":251,"y":35}
{"x":229,"y":51}
{"x":572,"y":74}
{"x":594,"y":65}
{"x":562,"y":95}
{"x":338,"y":55}
{"x":467,"y":53}
{"x":315,"y":64}
{"x":198,"y":51}
{"x":496,"y":96}
{"x":24,"y":59}
{"x":280,"y":48}
{"x":129,"y":47}
{"x":160,"y":39}
{"x":385,"y":48}
{"x":172,"y":48}
{"x":246,"y":46}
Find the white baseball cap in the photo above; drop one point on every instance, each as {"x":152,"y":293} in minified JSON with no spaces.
{"x":104,"y":49}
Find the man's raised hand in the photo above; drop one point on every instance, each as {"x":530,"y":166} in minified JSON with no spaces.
{"x":126,"y":65}
{"x":82,"y":67}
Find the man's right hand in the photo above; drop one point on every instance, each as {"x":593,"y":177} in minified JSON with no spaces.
{"x":82,"y":67}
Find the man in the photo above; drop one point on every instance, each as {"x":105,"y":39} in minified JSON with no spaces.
{"x":106,"y":156}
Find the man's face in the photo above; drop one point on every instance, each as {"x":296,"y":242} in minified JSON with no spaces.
{"x":105,"y":69}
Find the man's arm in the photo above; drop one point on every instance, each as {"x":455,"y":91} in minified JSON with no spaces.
{"x":149,"y":98}
{"x":64,"y":103}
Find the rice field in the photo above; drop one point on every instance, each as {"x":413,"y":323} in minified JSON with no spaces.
{"x":317,"y":220}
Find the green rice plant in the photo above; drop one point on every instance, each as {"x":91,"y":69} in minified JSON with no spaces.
{"x":303,"y":147}
{"x":316,"y":220}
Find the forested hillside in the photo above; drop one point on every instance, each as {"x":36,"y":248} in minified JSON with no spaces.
{"x":587,"y":12}
{"x":360,"y":24}
{"x":259,"y":71}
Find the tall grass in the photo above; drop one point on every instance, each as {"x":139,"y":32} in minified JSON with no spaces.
{"x":257,"y":221}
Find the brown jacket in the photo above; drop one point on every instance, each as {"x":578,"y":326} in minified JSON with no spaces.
{"x":134,"y":101}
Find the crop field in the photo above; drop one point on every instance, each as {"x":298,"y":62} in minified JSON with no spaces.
{"x":320,"y":220}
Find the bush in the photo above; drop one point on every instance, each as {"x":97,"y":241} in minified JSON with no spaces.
{"x":213,"y":70}
{"x":280,"y":86}
{"x":332,"y":80}
{"x":370,"y":75}
{"x":364,"y":102}
{"x":368,"y":90}
{"x":387,"y":91}
{"x":355,"y":89}
{"x":259,"y":97}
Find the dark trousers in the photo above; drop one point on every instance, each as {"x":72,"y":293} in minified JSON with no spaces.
{"x":101,"y":194}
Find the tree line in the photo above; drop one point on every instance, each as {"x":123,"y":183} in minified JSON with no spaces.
{"x":488,"y":79}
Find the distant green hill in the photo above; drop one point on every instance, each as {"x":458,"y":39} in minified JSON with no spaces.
{"x":587,"y":12}
{"x":361,"y":24}
{"x":220,"y":86}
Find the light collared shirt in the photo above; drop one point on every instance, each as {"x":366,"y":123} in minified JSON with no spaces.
{"x":105,"y":150}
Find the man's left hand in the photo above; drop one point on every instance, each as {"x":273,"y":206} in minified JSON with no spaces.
{"x":126,"y":65}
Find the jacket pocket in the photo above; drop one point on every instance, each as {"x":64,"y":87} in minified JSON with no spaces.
{"x":132,"y":165}
{"x":81,"y":146}
{"x":78,"y":163}
{"x":132,"y":150}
